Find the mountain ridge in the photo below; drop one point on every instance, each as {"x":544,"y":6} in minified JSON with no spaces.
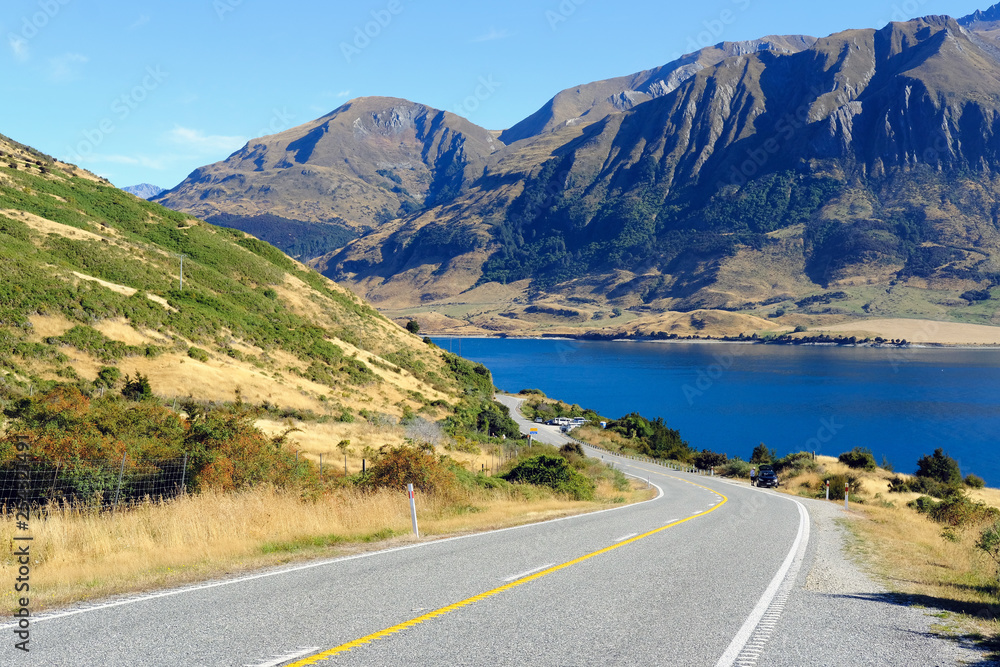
{"x":835,"y":162}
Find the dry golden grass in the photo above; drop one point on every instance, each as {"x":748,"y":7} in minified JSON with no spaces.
{"x":911,"y":554}
{"x":82,"y":554}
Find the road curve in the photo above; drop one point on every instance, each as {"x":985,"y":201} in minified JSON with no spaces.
{"x":683,"y":579}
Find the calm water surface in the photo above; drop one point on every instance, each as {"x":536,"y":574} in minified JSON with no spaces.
{"x":900,"y":403}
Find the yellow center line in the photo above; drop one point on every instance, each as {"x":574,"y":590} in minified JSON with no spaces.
{"x":367,"y":639}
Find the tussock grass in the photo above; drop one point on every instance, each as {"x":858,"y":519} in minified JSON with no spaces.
{"x":80,"y":554}
{"x":935,"y":566}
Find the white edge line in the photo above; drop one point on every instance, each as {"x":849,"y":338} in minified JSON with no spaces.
{"x":743,"y":636}
{"x":525,"y":574}
{"x":625,"y":537}
{"x":308,"y":566}
{"x":285,"y":658}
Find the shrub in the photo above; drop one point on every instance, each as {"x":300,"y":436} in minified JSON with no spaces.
{"x":708,"y":459}
{"x":553,"y":472}
{"x":734,"y":468}
{"x":796,"y":463}
{"x":395,"y":467}
{"x":137,"y":388}
{"x":837,"y":485}
{"x":957,"y":510}
{"x":940,"y":467}
{"x":989,"y":543}
{"x":107,"y":376}
{"x":571,"y":451}
{"x":859,"y":458}
{"x":198,"y":354}
{"x":413,"y":326}
{"x":974,"y":481}
{"x":761,"y":454}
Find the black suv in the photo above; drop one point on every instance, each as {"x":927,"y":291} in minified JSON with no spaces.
{"x":766,"y":477}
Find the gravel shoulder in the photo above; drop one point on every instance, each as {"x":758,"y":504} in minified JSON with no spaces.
{"x":839,"y":609}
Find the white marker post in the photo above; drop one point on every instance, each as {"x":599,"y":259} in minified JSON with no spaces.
{"x":413,"y":510}
{"x":847,"y":487}
{"x":827,"y":489}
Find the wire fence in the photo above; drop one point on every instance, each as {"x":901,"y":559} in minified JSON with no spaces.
{"x":102,"y":482}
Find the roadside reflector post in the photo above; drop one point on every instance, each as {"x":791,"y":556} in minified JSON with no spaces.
{"x":827,"y":489}
{"x":413,"y":510}
{"x":847,"y":487}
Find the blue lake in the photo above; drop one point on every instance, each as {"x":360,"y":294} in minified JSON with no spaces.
{"x":900,"y":403}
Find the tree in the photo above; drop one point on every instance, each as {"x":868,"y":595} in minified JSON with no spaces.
{"x":940,"y":467}
{"x":859,"y":457}
{"x":989,"y":543}
{"x":345,"y":447}
{"x":413,"y":326}
{"x":761,"y":454}
{"x":138,"y":388}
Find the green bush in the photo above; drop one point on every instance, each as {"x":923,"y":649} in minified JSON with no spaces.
{"x":957,"y":510}
{"x":795,"y":464}
{"x":940,"y":467}
{"x":553,"y":472}
{"x":859,"y":458}
{"x":974,"y":481}
{"x":198,"y":354}
{"x":395,"y":467}
{"x":734,"y":468}
{"x":837,"y":486}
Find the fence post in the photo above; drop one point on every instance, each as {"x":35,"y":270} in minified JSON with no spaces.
{"x":121,"y":473}
{"x":413,"y":510}
{"x":827,"y":489}
{"x":184,"y":474}
{"x":847,"y":488}
{"x":55,"y":475}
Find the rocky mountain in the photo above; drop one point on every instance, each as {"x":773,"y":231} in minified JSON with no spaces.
{"x":367,"y":162}
{"x":864,"y":163}
{"x":591,"y":102}
{"x":143,"y":190}
{"x":796,"y":179}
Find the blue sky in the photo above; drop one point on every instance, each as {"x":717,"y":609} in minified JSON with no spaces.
{"x":143,"y":91}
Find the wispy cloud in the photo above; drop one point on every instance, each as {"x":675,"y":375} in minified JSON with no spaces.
{"x":19,"y":46}
{"x":66,"y":67}
{"x":492,"y":35}
{"x":139,"y":22}
{"x":196,"y":140}
{"x":344,"y":93}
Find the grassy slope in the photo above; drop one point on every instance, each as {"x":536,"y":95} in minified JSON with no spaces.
{"x":91,"y":280}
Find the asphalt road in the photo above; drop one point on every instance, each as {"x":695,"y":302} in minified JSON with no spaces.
{"x":697,"y":576}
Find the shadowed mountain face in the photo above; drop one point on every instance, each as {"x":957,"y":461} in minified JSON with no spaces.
{"x":870,"y":156}
{"x":593,"y":101}
{"x":742,"y":175}
{"x":369,"y":161}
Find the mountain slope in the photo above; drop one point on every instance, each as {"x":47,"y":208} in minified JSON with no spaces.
{"x":591,"y":102}
{"x":93,"y":281}
{"x":870,"y":158}
{"x":366,"y":162}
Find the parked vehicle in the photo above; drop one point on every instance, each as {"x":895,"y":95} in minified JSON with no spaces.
{"x":766,"y":477}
